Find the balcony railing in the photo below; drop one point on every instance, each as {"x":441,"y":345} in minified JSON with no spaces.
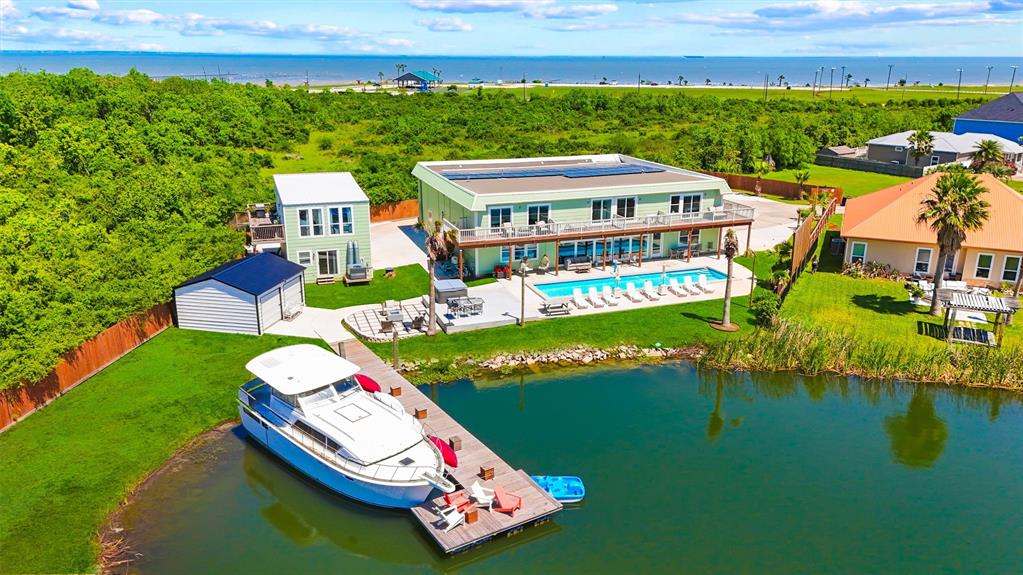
{"x":618,"y":226}
{"x":267,"y":233}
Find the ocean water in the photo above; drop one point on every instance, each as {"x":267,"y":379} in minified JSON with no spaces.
{"x":296,"y":69}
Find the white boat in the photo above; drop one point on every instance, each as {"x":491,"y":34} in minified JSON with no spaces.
{"x":306,"y":408}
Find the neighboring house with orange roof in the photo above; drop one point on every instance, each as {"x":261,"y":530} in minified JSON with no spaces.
{"x":881,"y":227}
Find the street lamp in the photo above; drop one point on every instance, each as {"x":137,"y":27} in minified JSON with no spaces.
{"x":889,"y":80}
{"x":1013,"y":77}
{"x":960,"y":84}
{"x":841,"y":79}
{"x":813,"y":89}
{"x":988,"y":81}
{"x":831,"y":85}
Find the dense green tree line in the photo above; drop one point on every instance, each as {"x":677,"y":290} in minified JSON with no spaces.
{"x":112,"y":190}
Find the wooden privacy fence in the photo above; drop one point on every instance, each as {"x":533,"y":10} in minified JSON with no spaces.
{"x":79,"y":364}
{"x":804,"y":241}
{"x":790,"y":190}
{"x":394,"y":211}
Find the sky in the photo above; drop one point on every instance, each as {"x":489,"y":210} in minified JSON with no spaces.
{"x":521,"y":27}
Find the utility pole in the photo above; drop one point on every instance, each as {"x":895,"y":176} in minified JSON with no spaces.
{"x":523,"y":87}
{"x":765,"y":87}
{"x":988,"y":81}
{"x":841,"y":80}
{"x":960,"y":84}
{"x":1013,"y":77}
{"x":813,"y":88}
{"x":889,"y":80}
{"x":831,"y":85}
{"x":639,"y":81}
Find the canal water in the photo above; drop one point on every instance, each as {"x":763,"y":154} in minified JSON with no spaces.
{"x":686,"y":471}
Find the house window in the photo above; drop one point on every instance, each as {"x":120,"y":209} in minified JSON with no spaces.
{"x":984,"y":262}
{"x":538,"y":213}
{"x":528,"y":250}
{"x":935,"y":160}
{"x":950,"y":265}
{"x":305,"y":259}
{"x":685,"y":204}
{"x":310,"y":222}
{"x":1010,"y":271}
{"x":858,"y":253}
{"x":899,"y":148}
{"x":601,"y":210}
{"x":341,"y":221}
{"x":500,"y":216}
{"x":626,"y":208}
{"x":923,"y":261}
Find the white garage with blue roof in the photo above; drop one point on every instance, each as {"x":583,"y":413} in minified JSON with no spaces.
{"x":242,"y":296}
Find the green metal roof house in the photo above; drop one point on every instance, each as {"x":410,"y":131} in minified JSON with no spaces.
{"x":322,"y":213}
{"x":597,"y":208}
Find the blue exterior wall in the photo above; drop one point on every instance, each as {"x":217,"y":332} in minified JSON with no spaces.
{"x":1011,"y":131}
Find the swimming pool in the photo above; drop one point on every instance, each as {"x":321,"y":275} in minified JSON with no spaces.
{"x":564,"y":289}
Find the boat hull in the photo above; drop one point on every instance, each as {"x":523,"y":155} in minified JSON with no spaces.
{"x":392,"y":496}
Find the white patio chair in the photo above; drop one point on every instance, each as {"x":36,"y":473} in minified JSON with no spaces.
{"x":577,"y":299}
{"x":632,"y":293}
{"x":593,"y":298}
{"x":701,"y":282}
{"x":675,"y":288}
{"x":690,"y":287}
{"x":484,"y":497}
{"x":650,"y":292}
{"x":609,"y":296}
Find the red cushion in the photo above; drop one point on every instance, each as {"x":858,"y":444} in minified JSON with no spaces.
{"x":450,"y":459}
{"x":367,"y":383}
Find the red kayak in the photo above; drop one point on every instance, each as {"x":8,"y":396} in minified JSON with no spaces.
{"x":450,"y":459}
{"x":368,"y":383}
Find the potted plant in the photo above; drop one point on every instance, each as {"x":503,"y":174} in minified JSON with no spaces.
{"x":507,"y":272}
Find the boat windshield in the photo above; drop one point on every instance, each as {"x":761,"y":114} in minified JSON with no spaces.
{"x":314,"y":397}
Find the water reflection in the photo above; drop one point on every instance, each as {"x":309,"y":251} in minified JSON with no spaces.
{"x":917,"y":437}
{"x":716,"y":421}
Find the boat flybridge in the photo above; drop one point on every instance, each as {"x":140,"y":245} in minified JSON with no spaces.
{"x":307,"y":408}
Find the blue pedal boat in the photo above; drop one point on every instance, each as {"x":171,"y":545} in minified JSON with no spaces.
{"x":564,"y":488}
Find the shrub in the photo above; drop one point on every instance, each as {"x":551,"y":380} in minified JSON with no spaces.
{"x":870,"y":270}
{"x":325,"y":143}
{"x":765,"y":309}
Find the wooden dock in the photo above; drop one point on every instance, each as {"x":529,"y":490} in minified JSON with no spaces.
{"x":537,"y":504}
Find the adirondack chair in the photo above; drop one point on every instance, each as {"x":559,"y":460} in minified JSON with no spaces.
{"x":506,"y":502}
{"x":459,"y":500}
{"x":483,"y":496}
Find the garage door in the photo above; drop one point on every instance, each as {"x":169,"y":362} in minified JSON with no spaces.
{"x":293,"y":296}
{"x":270,"y":308}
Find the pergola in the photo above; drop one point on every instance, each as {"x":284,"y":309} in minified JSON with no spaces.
{"x":954,"y":301}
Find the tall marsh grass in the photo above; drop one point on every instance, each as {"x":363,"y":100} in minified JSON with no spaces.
{"x":815,"y":350}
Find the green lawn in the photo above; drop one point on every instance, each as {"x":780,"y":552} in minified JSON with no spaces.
{"x":408,"y":282}
{"x":1016,"y":185}
{"x":853,"y":182}
{"x":871,"y":95}
{"x":68,"y":466}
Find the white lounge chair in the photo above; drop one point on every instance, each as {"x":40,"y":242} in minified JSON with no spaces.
{"x":675,"y":288}
{"x":484,"y":497}
{"x":701,"y":282}
{"x":650,"y":292}
{"x":690,"y":286}
{"x":451,"y":517}
{"x":609,"y":296}
{"x":593,"y":297}
{"x":632,"y":293}
{"x":577,"y":299}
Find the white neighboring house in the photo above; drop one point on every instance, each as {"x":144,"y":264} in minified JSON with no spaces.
{"x":948,"y":148}
{"x":242,"y":296}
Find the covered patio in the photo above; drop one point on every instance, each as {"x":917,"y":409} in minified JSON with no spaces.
{"x":955,"y":302}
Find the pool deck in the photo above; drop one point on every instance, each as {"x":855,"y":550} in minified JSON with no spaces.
{"x":537,"y":505}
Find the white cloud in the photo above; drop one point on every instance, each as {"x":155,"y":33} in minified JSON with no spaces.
{"x":8,"y":10}
{"x":572,"y":11}
{"x":122,"y":17}
{"x":445,"y":24}
{"x":475,"y":6}
{"x":84,"y":4}
{"x":77,"y":38}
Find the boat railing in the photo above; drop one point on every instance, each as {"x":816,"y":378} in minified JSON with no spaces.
{"x":323,"y":450}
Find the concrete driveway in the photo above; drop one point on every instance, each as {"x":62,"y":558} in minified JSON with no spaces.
{"x":397,"y":243}
{"x":773,"y":222}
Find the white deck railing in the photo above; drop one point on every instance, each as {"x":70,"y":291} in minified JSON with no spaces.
{"x":728,"y":212}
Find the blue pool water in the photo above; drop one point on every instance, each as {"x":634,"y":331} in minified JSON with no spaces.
{"x":564,"y":289}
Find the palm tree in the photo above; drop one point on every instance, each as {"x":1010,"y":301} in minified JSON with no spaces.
{"x":681,"y":79}
{"x":437,"y":249}
{"x":380,"y":75}
{"x":954,"y":207}
{"x":781,"y":78}
{"x":987,"y":152}
{"x":730,"y":246}
{"x":801,"y":177}
{"x":707,"y":81}
{"x":400,"y":68}
{"x":866,"y":82}
{"x":923,"y":144}
{"x":848,"y":78}
{"x":760,"y":168}
{"x":436,"y":72}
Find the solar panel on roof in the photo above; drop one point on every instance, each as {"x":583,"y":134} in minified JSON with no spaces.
{"x":577,"y":172}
